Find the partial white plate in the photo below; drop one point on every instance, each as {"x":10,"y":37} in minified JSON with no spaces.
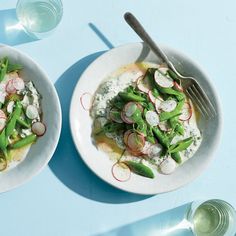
{"x":41,"y":152}
{"x":99,"y":162}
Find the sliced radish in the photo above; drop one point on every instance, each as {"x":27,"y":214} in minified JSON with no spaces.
{"x":140,"y":107}
{"x":2,"y":114}
{"x":168,"y":105}
{"x":126,"y":119}
{"x":163,"y":69}
{"x":164,"y":126}
{"x":168,"y":166}
{"x":2,"y":123}
{"x":126,"y":135}
{"x":186,"y":112}
{"x":178,"y":87}
{"x":115,"y":116}
{"x":135,"y":142}
{"x":10,"y":87}
{"x":18,"y":83}
{"x":31,"y":112}
{"x":38,"y":128}
{"x":10,"y":106}
{"x":151,"y":96}
{"x":130,"y":109}
{"x":162,"y":80}
{"x":154,"y":150}
{"x":134,"y":153}
{"x":158,"y":102}
{"x":152,"y":118}
{"x":143,"y":84}
{"x":86,"y":101}
{"x":121,"y":171}
{"x":147,"y":145}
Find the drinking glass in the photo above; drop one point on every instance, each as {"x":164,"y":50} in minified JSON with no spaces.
{"x":39,"y":18}
{"x":212,"y":218}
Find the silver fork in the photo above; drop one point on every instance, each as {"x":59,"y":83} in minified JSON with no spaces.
{"x":189,"y":84}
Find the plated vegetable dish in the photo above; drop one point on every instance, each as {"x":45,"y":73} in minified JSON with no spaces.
{"x":144,"y":121}
{"x":20,"y":115}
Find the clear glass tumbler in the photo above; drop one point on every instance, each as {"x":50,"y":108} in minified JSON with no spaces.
{"x":212,"y":218}
{"x":39,"y":17}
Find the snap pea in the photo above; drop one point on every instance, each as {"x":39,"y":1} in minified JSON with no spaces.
{"x":3,"y":143}
{"x":176,"y":112}
{"x":14,"y":67}
{"x":140,"y":169}
{"x":141,"y":127}
{"x":3,"y":68}
{"x":176,"y":125}
{"x":22,"y":123}
{"x":173,"y":76}
{"x":131,"y":97}
{"x":170,"y":91}
{"x":137,"y":116}
{"x":149,"y":77}
{"x":10,"y":126}
{"x":23,"y":142}
{"x":181,"y":145}
{"x":176,"y":156}
{"x":163,"y":139}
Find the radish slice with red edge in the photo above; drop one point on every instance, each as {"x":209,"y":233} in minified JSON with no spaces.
{"x":158,"y":102}
{"x":130,"y":109}
{"x":2,"y":114}
{"x":186,"y":112}
{"x":10,"y":87}
{"x":147,"y":145}
{"x":38,"y":128}
{"x":152,"y":118}
{"x":163,"y":69}
{"x":31,"y":112}
{"x":154,"y":150}
{"x":115,"y":115}
{"x":86,"y":101}
{"x":121,"y":172}
{"x":134,"y":153}
{"x":178,"y":87}
{"x":168,"y":166}
{"x":126,"y":119}
{"x":2,"y":123}
{"x":143,"y":84}
{"x":152,"y":98}
{"x":135,"y":142}
{"x":162,"y":80}
{"x":18,"y":83}
{"x":126,"y":135}
{"x":168,"y":105}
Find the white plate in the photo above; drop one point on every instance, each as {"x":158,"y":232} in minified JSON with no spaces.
{"x":41,"y":152}
{"x":99,"y":162}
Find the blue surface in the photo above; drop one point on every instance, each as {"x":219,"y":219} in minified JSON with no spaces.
{"x":66,"y":198}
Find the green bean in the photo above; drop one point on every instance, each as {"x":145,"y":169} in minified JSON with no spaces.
{"x":23,"y":142}
{"x":22,"y":123}
{"x":12,"y":122}
{"x":163,"y":139}
{"x":176,"y":112}
{"x":181,"y":145}
{"x":176,"y":156}
{"x":3,"y":68}
{"x":140,"y":169}
{"x":131,"y":97}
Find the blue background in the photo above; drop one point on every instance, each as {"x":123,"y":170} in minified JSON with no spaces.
{"x":66,"y":198}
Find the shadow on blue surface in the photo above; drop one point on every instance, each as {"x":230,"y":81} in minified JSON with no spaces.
{"x":11,"y":32}
{"x":168,"y":223}
{"x":66,"y":163}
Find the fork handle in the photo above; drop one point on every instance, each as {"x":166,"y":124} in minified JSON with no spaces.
{"x":138,"y":28}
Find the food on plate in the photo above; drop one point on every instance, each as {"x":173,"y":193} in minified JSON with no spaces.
{"x":145,"y":122}
{"x":20,"y":115}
